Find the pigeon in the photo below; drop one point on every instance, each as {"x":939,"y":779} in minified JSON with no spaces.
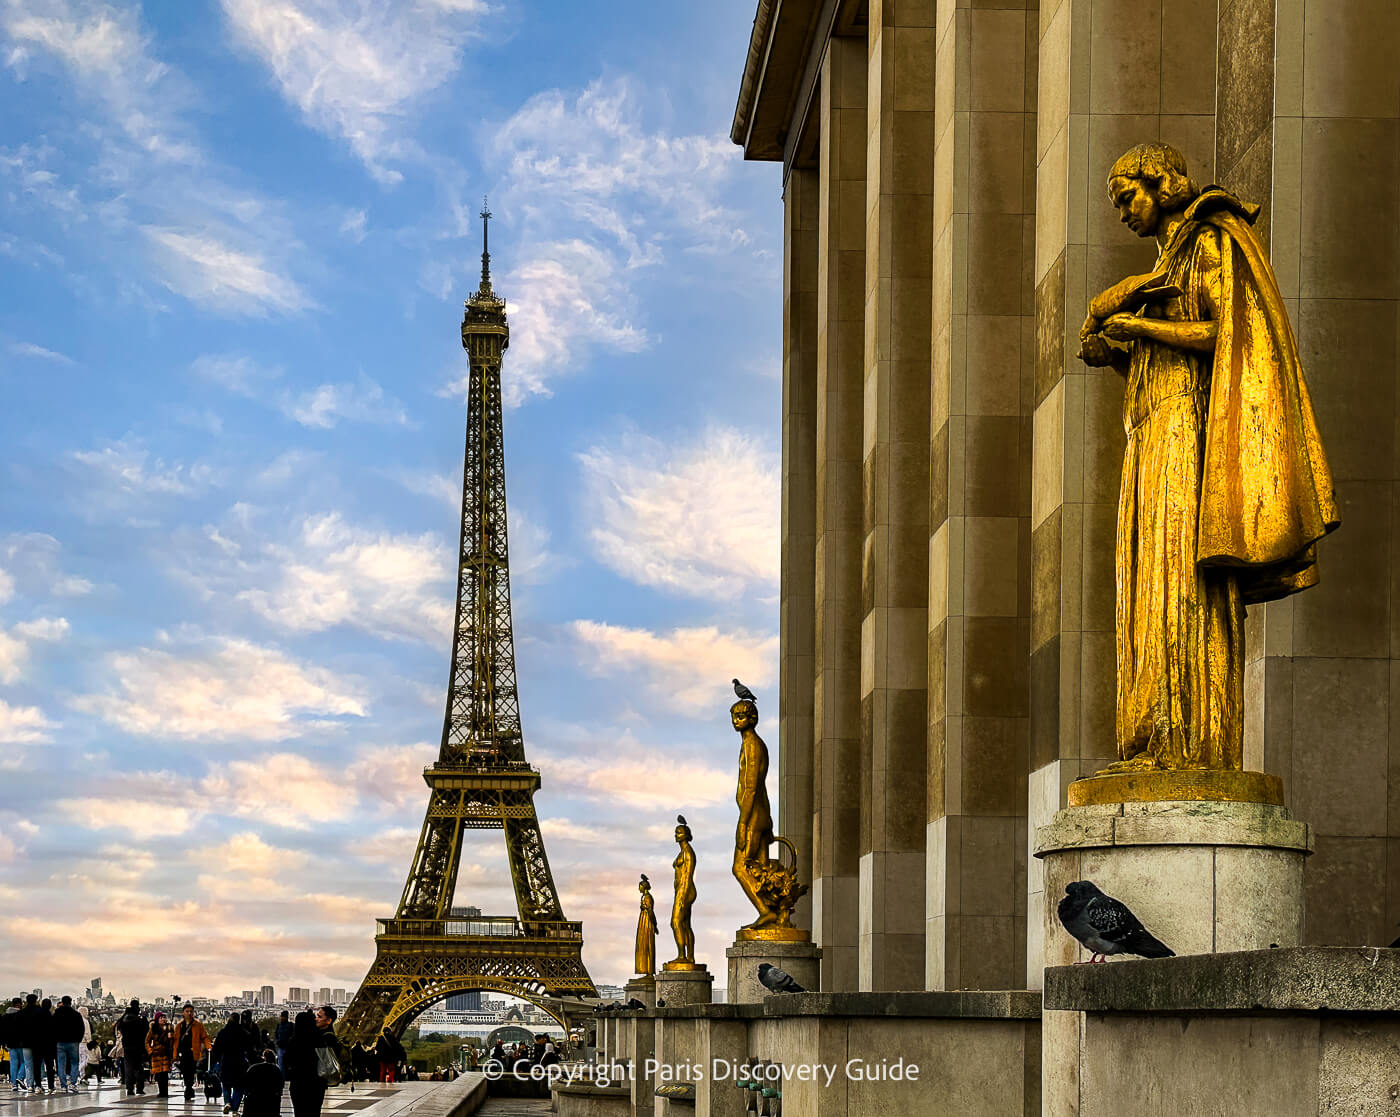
{"x":744,"y":692}
{"x":660,"y":1002}
{"x":635,"y":1004}
{"x":779,"y":981}
{"x":1105,"y":926}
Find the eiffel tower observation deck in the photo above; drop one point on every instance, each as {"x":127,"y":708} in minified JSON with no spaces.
{"x":430,"y":949}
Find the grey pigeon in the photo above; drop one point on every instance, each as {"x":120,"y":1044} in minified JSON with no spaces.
{"x":635,"y":1004}
{"x":660,"y":1002}
{"x":1105,"y":926}
{"x":779,"y":981}
{"x":744,"y":692}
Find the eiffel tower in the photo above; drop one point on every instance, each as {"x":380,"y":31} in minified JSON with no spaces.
{"x":481,"y":780}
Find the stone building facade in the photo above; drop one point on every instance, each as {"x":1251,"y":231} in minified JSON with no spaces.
{"x":951,"y":470}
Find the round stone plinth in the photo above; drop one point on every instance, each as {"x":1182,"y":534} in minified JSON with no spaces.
{"x":684,"y":987}
{"x":1205,"y":877}
{"x":1157,"y":786}
{"x":800,"y":960}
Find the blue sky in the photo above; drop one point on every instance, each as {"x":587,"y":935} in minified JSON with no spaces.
{"x":235,"y":237}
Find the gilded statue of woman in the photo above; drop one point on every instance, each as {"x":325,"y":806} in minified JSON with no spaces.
{"x":684,"y":865}
{"x":646,"y":930}
{"x":1225,"y":485}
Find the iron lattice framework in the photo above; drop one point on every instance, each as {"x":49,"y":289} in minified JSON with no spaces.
{"x":481,"y":779}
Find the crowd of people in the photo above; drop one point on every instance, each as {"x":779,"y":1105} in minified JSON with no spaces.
{"x":520,"y":1057}
{"x":53,"y":1050}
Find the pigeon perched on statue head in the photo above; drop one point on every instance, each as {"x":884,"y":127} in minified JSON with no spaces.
{"x":744,"y":692}
{"x":1104,"y":926}
{"x":779,"y":981}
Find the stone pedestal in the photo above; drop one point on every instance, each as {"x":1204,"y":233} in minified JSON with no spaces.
{"x":1204,"y":877}
{"x":802,"y":960}
{"x":685,"y":987}
{"x":643,"y":989}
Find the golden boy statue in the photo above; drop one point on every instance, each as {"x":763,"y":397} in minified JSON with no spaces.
{"x":771,"y":887}
{"x":1225,"y":485}
{"x":684,"y":865}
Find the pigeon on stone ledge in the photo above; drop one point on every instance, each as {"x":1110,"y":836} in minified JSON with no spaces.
{"x":635,"y":1004}
{"x":779,"y":981}
{"x":744,"y":692}
{"x":660,"y":1002}
{"x":1105,"y":926}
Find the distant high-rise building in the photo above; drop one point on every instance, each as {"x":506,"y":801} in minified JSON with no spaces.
{"x":299,"y":994}
{"x":469,"y":1001}
{"x":95,"y":989}
{"x":323,"y":995}
{"x":250,"y":996}
{"x":266,"y":996}
{"x":338,"y":997}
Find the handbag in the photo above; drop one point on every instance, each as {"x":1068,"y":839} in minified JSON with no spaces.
{"x":328,"y":1065}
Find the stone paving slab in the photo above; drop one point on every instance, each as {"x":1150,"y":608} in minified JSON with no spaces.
{"x":110,"y":1098}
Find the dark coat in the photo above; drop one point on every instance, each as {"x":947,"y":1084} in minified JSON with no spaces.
{"x":67,"y":1025}
{"x":301,"y":1053}
{"x":35,"y":1028}
{"x":284,"y":1034}
{"x":231,"y":1053}
{"x":133,"y":1028}
{"x":262,"y":1090}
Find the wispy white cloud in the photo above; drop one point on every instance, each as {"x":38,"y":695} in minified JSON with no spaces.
{"x":16,"y":643}
{"x":127,"y":465}
{"x":324,"y":573}
{"x":355,"y":70}
{"x":32,"y":559}
{"x":39,"y":353}
{"x":234,"y":372}
{"x":220,"y":690}
{"x":326,"y":405}
{"x":698,"y":518}
{"x":600,"y":195}
{"x":198,"y":265}
{"x":688,"y":668}
{"x":21,"y":724}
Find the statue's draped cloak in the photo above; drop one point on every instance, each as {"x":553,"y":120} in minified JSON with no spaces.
{"x":1225,"y":489}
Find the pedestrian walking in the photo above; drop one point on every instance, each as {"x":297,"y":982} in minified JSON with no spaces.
{"x":27,"y":1028}
{"x":160,"y":1045}
{"x":262,"y":1087}
{"x":132,"y":1028}
{"x":283,"y":1040}
{"x":68,"y":1029}
{"x":191,"y":1042}
{"x":10,"y":1038}
{"x":312,"y":1033}
{"x":86,"y":1047}
{"x":45,"y":1045}
{"x":231,"y":1055}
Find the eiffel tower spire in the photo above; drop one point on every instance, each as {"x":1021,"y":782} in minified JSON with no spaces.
{"x":481,"y":779}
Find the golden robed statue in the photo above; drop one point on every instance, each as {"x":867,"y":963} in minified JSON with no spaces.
{"x":1225,"y":486}
{"x":684,"y":865}
{"x":771,"y":886}
{"x":646,"y":931}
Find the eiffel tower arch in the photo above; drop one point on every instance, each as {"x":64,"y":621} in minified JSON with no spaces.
{"x":428,"y":950}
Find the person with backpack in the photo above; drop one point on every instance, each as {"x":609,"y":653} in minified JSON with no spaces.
{"x":191,"y":1042}
{"x":313,"y":1060}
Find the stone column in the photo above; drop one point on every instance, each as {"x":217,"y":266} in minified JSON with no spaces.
{"x":799,"y":511}
{"x":894,"y":567}
{"x":840,"y":389}
{"x":1112,"y":73}
{"x":979,"y":550}
{"x":1309,"y":126}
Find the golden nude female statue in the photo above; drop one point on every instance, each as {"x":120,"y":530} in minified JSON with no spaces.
{"x":1225,"y":487}
{"x":646,"y":931}
{"x":771,"y":886}
{"x":684,"y":865}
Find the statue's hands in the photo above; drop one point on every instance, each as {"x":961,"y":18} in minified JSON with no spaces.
{"x":1095,"y":352}
{"x":1123,"y":327}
